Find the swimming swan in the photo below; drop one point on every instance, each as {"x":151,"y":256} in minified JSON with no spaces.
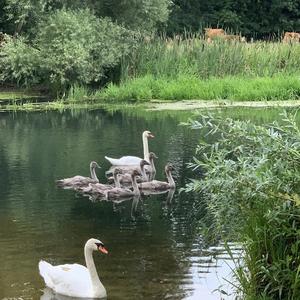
{"x":151,"y":170}
{"x":76,"y":280}
{"x":133,"y":160}
{"x":118,"y":192}
{"x":78,"y":180}
{"x":124,"y":173}
{"x":160,"y":185}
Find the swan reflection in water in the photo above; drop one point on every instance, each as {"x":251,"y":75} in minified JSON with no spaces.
{"x":48,"y":294}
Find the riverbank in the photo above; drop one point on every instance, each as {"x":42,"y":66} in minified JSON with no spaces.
{"x":154,"y":105}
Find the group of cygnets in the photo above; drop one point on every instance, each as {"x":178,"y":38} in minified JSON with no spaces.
{"x":128,"y":176}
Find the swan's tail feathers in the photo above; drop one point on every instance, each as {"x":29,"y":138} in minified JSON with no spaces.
{"x":45,"y":269}
{"x":59,"y":182}
{"x":113,"y":161}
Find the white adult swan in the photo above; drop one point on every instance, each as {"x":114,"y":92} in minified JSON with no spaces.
{"x":124,"y":173}
{"x":133,"y":160}
{"x":75,"y":280}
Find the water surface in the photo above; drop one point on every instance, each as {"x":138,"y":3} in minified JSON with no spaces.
{"x":155,"y":248}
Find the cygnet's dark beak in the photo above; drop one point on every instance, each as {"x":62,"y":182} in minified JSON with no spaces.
{"x":151,"y":135}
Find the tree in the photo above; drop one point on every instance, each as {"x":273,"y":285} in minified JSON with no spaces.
{"x":141,"y":15}
{"x":70,"y":47}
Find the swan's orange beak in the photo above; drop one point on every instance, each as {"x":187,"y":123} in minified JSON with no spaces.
{"x":103,"y":250}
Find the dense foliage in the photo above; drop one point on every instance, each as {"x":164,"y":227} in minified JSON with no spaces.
{"x":251,"y":18}
{"x":69,"y":47}
{"x":63,"y":43}
{"x":252,"y":190}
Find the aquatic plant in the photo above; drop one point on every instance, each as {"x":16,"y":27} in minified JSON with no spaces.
{"x":252,"y":187}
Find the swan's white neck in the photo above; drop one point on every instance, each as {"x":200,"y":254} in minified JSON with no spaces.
{"x":93,"y":173}
{"x":146,"y":148}
{"x":98,"y":288}
{"x":170,"y":179}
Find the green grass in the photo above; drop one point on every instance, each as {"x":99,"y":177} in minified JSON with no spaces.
{"x":18,"y":95}
{"x":143,"y":89}
{"x":78,"y":94}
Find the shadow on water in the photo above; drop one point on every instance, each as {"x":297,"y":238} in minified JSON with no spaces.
{"x":155,"y":248}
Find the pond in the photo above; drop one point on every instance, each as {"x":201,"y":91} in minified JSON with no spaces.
{"x":155,"y":248}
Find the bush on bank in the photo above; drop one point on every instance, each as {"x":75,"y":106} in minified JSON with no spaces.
{"x":252,"y":191}
{"x":70,"y":47}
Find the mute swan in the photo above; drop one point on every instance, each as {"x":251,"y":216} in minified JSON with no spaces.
{"x":124,"y":175}
{"x":75,"y":280}
{"x":133,"y":160}
{"x":118,"y":192}
{"x":160,"y":185}
{"x":78,"y":180}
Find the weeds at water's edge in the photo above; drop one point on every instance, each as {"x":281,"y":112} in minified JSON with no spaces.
{"x":252,"y":183}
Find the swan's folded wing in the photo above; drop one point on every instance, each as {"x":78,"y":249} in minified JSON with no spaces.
{"x":70,"y":279}
{"x":124,"y":160}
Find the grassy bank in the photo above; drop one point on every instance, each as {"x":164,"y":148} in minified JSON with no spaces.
{"x":251,"y":189}
{"x":279,"y":87}
{"x":191,"y":68}
{"x":18,"y":94}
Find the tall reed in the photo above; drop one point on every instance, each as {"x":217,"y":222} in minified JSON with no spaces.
{"x":192,"y":55}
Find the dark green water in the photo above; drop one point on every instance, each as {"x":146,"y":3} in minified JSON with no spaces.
{"x":155,"y":251}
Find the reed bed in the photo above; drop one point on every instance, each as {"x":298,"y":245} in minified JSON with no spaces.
{"x":162,"y":57}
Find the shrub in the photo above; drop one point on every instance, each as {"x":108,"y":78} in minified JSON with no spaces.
{"x":71,"y":47}
{"x":252,"y":191}
{"x":19,"y":62}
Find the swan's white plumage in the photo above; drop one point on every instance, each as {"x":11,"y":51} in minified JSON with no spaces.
{"x":70,"y":279}
{"x":124,"y":161}
{"x":75,"y":280}
{"x":133,"y":160}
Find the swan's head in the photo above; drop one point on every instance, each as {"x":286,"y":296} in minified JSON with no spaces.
{"x":96,"y":245}
{"x":117,"y":171}
{"x":93,"y":164}
{"x":136,"y":173}
{"x":144,"y":163}
{"x":169,"y":168}
{"x":152,"y":155}
{"x":148,"y":134}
